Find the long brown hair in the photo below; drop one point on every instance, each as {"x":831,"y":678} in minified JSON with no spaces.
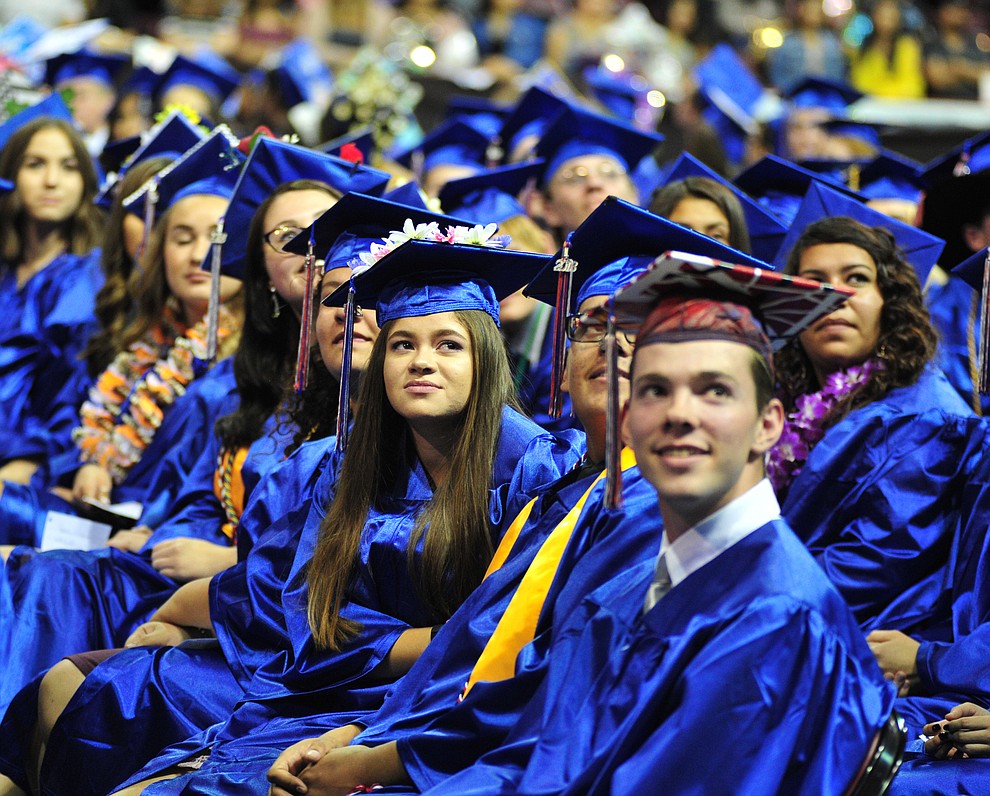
{"x":670,"y":195}
{"x":907,"y":339}
{"x":113,"y":300}
{"x":83,"y":230}
{"x":458,"y":546}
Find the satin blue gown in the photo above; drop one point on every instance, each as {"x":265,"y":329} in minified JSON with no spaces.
{"x":62,"y":602}
{"x":296,"y":677}
{"x":756,"y":641}
{"x":879,"y":500}
{"x":952,"y":308}
{"x":44,"y":327}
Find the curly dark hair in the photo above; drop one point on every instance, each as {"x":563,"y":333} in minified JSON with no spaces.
{"x":907,"y":339}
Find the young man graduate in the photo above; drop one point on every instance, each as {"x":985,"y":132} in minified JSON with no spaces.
{"x":730,"y":658}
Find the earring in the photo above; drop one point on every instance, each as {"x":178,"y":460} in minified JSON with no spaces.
{"x":276,"y":305}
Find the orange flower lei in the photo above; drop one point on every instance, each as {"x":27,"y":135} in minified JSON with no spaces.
{"x":130,"y":398}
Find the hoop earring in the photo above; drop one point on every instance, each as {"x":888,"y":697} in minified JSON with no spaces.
{"x":276,"y":305}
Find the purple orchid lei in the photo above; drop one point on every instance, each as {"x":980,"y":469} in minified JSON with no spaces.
{"x":803,"y":427}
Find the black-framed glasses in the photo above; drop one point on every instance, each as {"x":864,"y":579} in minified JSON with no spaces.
{"x":592,"y":327}
{"x":282,"y":236}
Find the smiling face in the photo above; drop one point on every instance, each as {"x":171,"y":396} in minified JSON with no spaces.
{"x":49,"y":181}
{"x":429,"y":368}
{"x":191,"y":221}
{"x":330,"y":328}
{"x":693,"y":421}
{"x":849,"y":336}
{"x":287,"y":271}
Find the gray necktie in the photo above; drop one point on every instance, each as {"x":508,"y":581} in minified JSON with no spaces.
{"x":660,"y":586}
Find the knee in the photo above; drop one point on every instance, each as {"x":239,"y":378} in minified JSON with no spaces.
{"x":57,"y":688}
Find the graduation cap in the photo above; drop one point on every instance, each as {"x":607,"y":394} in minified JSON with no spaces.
{"x":616,"y":229}
{"x":766,"y":231}
{"x":481,"y":113}
{"x":890,"y":176}
{"x":685,"y":297}
{"x":408,"y":194}
{"x":780,"y":185}
{"x":452,"y":142}
{"x":959,"y":186}
{"x":535,"y":111}
{"x":302,"y":75}
{"x":491,"y":195}
{"x":171,"y":137}
{"x":6,"y":186}
{"x":920,"y":248}
{"x":620,"y":93}
{"x":52,"y":106}
{"x":847,"y":127}
{"x":975,"y":272}
{"x":578,"y":132}
{"x":207,"y":72}
{"x":362,"y":140}
{"x":104,"y":68}
{"x":821,"y":92}
{"x":723,"y":75}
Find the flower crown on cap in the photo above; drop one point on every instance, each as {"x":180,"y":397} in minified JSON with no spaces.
{"x":478,"y":235}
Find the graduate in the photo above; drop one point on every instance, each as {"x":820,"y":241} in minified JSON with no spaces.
{"x":733,"y":619}
{"x":165,"y":343}
{"x":419,"y":736}
{"x":867,"y":412}
{"x":50,"y":234}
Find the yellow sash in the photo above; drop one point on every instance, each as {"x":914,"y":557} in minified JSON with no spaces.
{"x":517,"y":627}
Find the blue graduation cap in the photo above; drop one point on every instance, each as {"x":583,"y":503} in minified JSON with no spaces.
{"x":207,"y":72}
{"x":489,"y":197}
{"x":408,"y":194}
{"x":821,"y":92}
{"x":361,"y":139}
{"x":481,"y":113}
{"x":578,"y":132}
{"x":620,"y":93}
{"x":271,"y":163}
{"x":727,"y":81}
{"x":170,"y":137}
{"x":890,"y":176}
{"x":780,"y":185}
{"x":142,"y":80}
{"x":958,"y":186}
{"x":452,"y":142}
{"x":84,"y":63}
{"x":766,"y":231}
{"x":6,"y":186}
{"x":302,"y":75}
{"x":846,"y":127}
{"x":52,"y":106}
{"x":920,"y":248}
{"x":975,"y":272}
{"x":535,"y":111}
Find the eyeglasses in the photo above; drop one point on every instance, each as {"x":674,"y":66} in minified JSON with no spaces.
{"x":578,"y":175}
{"x":592,"y":327}
{"x":282,"y":236}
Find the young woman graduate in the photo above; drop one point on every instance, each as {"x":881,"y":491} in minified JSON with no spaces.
{"x":105,"y":594}
{"x":420,"y":735}
{"x":877,"y":447}
{"x":363,"y":598}
{"x":50,"y":232}
{"x":163,"y":352}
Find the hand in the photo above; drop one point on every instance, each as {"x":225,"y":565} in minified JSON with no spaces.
{"x":132,"y":540}
{"x":18,"y":471}
{"x":92,"y":482}
{"x":964,"y":733}
{"x":185,"y":559}
{"x":285,"y":771}
{"x":157,"y":634}
{"x":897,"y":656}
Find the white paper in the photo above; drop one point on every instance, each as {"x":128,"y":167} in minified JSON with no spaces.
{"x":69,"y":532}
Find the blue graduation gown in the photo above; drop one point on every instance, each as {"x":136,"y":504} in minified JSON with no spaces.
{"x":154,"y":480}
{"x":382,"y":599}
{"x":62,"y":602}
{"x":44,"y":327}
{"x":878,"y":501}
{"x":921,"y":775}
{"x":756,"y":640}
{"x":950,"y":306}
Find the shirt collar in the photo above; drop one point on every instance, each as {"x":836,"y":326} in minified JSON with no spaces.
{"x":719,"y":531}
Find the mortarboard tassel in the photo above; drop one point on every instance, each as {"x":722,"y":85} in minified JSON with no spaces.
{"x":853,"y":178}
{"x":306,"y":323}
{"x":961,"y":169}
{"x":351,"y":311}
{"x":565,"y":268}
{"x":217,"y":238}
{"x":613,"y":443}
{"x":983,"y":358}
